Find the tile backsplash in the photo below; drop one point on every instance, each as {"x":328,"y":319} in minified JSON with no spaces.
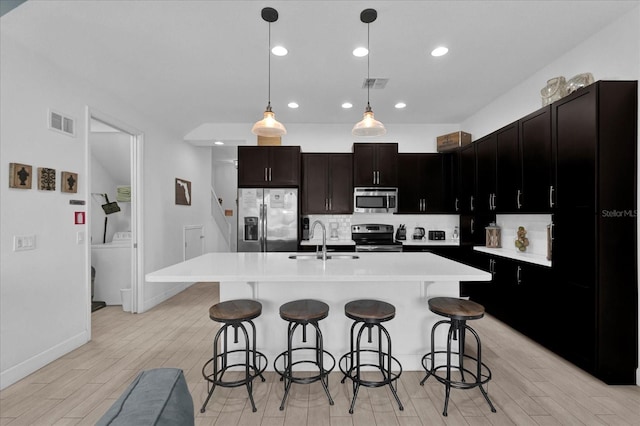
{"x":444,"y":222}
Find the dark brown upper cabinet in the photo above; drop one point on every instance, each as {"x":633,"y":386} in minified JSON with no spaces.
{"x":268,"y":166}
{"x":422,"y":183}
{"x":327,"y":183}
{"x":467,"y":179}
{"x":375,"y":164}
{"x":537,"y":162}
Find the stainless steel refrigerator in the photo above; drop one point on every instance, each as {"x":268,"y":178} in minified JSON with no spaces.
{"x":267,"y":219}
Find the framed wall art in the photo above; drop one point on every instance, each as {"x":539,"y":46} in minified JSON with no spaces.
{"x":69,"y":182}
{"x":46,"y":179}
{"x":20,"y":176}
{"x":183,"y":192}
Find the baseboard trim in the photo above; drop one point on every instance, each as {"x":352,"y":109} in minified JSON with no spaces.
{"x":22,"y":370}
{"x":148,"y":304}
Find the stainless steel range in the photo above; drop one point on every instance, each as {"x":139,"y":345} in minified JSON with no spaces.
{"x":374,"y":237}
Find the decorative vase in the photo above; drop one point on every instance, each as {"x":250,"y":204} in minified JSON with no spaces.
{"x":554,"y":90}
{"x":522,"y":242}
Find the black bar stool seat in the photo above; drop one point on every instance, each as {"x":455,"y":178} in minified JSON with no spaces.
{"x":459,"y":311}
{"x":234,"y":314}
{"x":369,"y":314}
{"x":302,"y":313}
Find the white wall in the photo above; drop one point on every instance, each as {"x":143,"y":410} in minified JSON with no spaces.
{"x":611,"y":54}
{"x":45,"y":293}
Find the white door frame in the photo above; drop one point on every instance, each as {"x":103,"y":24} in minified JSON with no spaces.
{"x":137,"y":197}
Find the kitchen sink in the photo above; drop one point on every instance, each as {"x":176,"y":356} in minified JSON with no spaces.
{"x":319,"y":256}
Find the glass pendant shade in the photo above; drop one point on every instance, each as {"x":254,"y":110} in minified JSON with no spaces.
{"x":368,"y":126}
{"x":268,"y":126}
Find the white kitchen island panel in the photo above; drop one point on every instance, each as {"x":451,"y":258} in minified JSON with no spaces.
{"x":406,"y":280}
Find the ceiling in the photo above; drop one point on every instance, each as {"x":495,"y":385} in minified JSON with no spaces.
{"x":189,"y":62}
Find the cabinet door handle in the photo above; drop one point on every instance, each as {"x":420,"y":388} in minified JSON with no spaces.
{"x":326,"y":204}
{"x":492,"y":264}
{"x":494,"y":201}
{"x":518,"y":200}
{"x":266,"y":178}
{"x":551,"y":196}
{"x":472,"y":203}
{"x":330,"y":205}
{"x":472,"y":225}
{"x":457,"y":204}
{"x":490,"y":201}
{"x":374,"y":177}
{"x":424,"y":207}
{"x":518,"y":275}
{"x":269,"y":174}
{"x":378,"y":177}
{"x":552,"y":231}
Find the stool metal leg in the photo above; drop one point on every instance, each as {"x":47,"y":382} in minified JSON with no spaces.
{"x":448,"y":382}
{"x":387,"y":373}
{"x":484,"y":392}
{"x":324,"y":378}
{"x":215,"y":365}
{"x":288,"y":367}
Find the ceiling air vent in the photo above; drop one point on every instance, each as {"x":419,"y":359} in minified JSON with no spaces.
{"x":61,"y":123}
{"x":375,"y":83}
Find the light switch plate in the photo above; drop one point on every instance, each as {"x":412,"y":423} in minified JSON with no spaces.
{"x":24,"y":242}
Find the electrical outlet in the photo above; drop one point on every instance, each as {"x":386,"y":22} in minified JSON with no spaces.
{"x":24,"y":242}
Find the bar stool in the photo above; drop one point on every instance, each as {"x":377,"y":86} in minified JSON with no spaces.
{"x":459,"y":311}
{"x":304,"y":312}
{"x":369,"y":314}
{"x":234,"y":313}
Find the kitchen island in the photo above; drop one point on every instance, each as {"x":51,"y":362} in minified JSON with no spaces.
{"x":406,"y":280}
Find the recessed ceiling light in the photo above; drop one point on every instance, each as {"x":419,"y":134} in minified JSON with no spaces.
{"x":218,"y":143}
{"x":279,"y":50}
{"x":400,"y":105}
{"x":439,"y":51}
{"x":293,"y":105}
{"x":347,"y":105}
{"x":360,"y":52}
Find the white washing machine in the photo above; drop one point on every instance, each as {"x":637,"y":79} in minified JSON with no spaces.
{"x":112,"y":262}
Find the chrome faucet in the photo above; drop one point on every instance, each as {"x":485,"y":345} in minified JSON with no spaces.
{"x":324,"y":237}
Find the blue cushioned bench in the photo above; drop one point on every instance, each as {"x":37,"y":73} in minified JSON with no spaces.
{"x":156,"y":397}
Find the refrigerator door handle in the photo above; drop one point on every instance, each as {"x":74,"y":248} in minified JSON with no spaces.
{"x":263,"y":226}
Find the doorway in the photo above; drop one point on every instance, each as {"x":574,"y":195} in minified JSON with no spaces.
{"x":114,"y":210}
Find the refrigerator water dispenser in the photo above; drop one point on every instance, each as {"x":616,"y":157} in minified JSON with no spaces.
{"x":251,"y":228}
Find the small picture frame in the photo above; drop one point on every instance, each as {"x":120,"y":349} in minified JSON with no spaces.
{"x":46,"y":179}
{"x":69,"y":182}
{"x":20,"y":176}
{"x":183,"y":192}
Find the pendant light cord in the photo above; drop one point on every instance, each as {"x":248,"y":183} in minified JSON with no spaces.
{"x":368,"y":56}
{"x":269,"y":71}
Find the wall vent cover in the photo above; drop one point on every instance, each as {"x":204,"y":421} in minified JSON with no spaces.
{"x":62,"y":123}
{"x":375,"y":83}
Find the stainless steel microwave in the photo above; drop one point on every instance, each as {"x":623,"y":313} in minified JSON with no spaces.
{"x":375,"y":200}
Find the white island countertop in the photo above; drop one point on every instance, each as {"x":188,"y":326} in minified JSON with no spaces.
{"x":274,"y":266}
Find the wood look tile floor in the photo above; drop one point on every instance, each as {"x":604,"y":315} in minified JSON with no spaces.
{"x":530,"y":386}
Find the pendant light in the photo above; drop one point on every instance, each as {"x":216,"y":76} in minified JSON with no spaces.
{"x":269,"y":126}
{"x":368,"y":126}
